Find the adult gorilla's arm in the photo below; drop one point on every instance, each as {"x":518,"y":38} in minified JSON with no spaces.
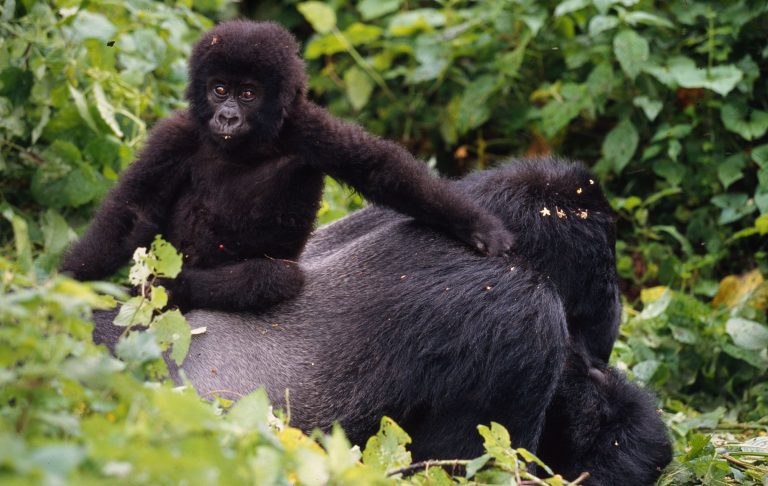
{"x":133,"y":211}
{"x":386,"y":173}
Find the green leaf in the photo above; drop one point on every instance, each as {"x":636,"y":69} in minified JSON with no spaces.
{"x":751,"y":124}
{"x":433,"y":56}
{"x":164,"y":260}
{"x":657,"y":307}
{"x":601,"y":23}
{"x":731,"y":169}
{"x":620,"y":144}
{"x":135,"y":311}
{"x":650,"y":107}
{"x":386,"y":450}
{"x":475,"y":104}
{"x":21,"y":239}
{"x":409,"y":23}
{"x":635,"y":18}
{"x":252,"y":411}
{"x":670,"y":170}
{"x":319,"y":15}
{"x":82,"y":108}
{"x":682,"y":71}
{"x":16,"y":84}
{"x":569,"y":6}
{"x":734,"y":206}
{"x":631,"y":50}
{"x":171,"y":329}
{"x":358,"y":33}
{"x":476,"y":464}
{"x":138,"y":348}
{"x":341,"y":455}
{"x":106,"y":110}
{"x":760,"y":155}
{"x":371,"y":9}
{"x":747,"y":334}
{"x":358,"y":87}
{"x":89,"y":25}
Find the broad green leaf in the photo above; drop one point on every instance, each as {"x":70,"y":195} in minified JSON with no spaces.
{"x":747,"y":334}
{"x":341,"y":455}
{"x":650,"y":107}
{"x":631,"y":50}
{"x":734,"y":206}
{"x":569,"y":6}
{"x":158,"y":297}
{"x":670,"y":170}
{"x":16,"y":84}
{"x":135,"y":311}
{"x":760,"y":155}
{"x":137,"y":348}
{"x":311,"y":467}
{"x":682,"y":71}
{"x":90,"y":25}
{"x":750,"y":123}
{"x":620,"y":144}
{"x":433,"y":56}
{"x":358,"y":33}
{"x":252,"y":411}
{"x":106,"y":110}
{"x":475,"y":105}
{"x":164,"y":260}
{"x":386,"y":450}
{"x":656,"y":308}
{"x":413,"y":21}
{"x":358,"y":87}
{"x":324,"y":45}
{"x":171,"y":329}
{"x":731,"y":169}
{"x":371,"y":9}
{"x":319,"y":15}
{"x":477,"y":464}
{"x":601,"y":23}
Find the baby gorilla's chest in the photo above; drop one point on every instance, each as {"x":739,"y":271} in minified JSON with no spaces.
{"x":233,"y":212}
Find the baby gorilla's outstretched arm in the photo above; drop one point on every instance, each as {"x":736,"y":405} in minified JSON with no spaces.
{"x":133,"y":212}
{"x":386,"y":173}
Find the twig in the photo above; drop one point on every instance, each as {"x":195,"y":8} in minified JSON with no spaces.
{"x":419,"y":466}
{"x":222,"y":391}
{"x":745,"y":465}
{"x":582,"y":477}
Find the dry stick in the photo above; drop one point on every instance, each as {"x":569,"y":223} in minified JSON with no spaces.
{"x":742,"y":464}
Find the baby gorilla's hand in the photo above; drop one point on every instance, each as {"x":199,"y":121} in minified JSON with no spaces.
{"x":490,"y":237}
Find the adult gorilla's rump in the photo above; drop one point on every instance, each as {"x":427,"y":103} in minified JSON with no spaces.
{"x":396,"y":319}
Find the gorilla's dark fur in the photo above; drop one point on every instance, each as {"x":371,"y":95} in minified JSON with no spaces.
{"x":235,"y":181}
{"x":398,"y":320}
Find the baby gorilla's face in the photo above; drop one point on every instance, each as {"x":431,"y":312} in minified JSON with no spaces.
{"x":234,"y":102}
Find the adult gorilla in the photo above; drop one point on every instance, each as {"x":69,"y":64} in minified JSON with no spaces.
{"x":399,"y":320}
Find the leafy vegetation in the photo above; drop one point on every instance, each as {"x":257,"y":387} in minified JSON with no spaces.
{"x":666,"y":100}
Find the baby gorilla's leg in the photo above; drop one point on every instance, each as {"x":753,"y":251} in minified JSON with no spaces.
{"x":249,"y":285}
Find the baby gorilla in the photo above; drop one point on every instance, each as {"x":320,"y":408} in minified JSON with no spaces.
{"x":235,"y":181}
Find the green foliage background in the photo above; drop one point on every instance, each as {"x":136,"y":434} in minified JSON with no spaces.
{"x":667,"y":101}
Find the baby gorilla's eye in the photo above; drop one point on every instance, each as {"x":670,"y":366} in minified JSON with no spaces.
{"x":247,"y":95}
{"x":220,"y":90}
